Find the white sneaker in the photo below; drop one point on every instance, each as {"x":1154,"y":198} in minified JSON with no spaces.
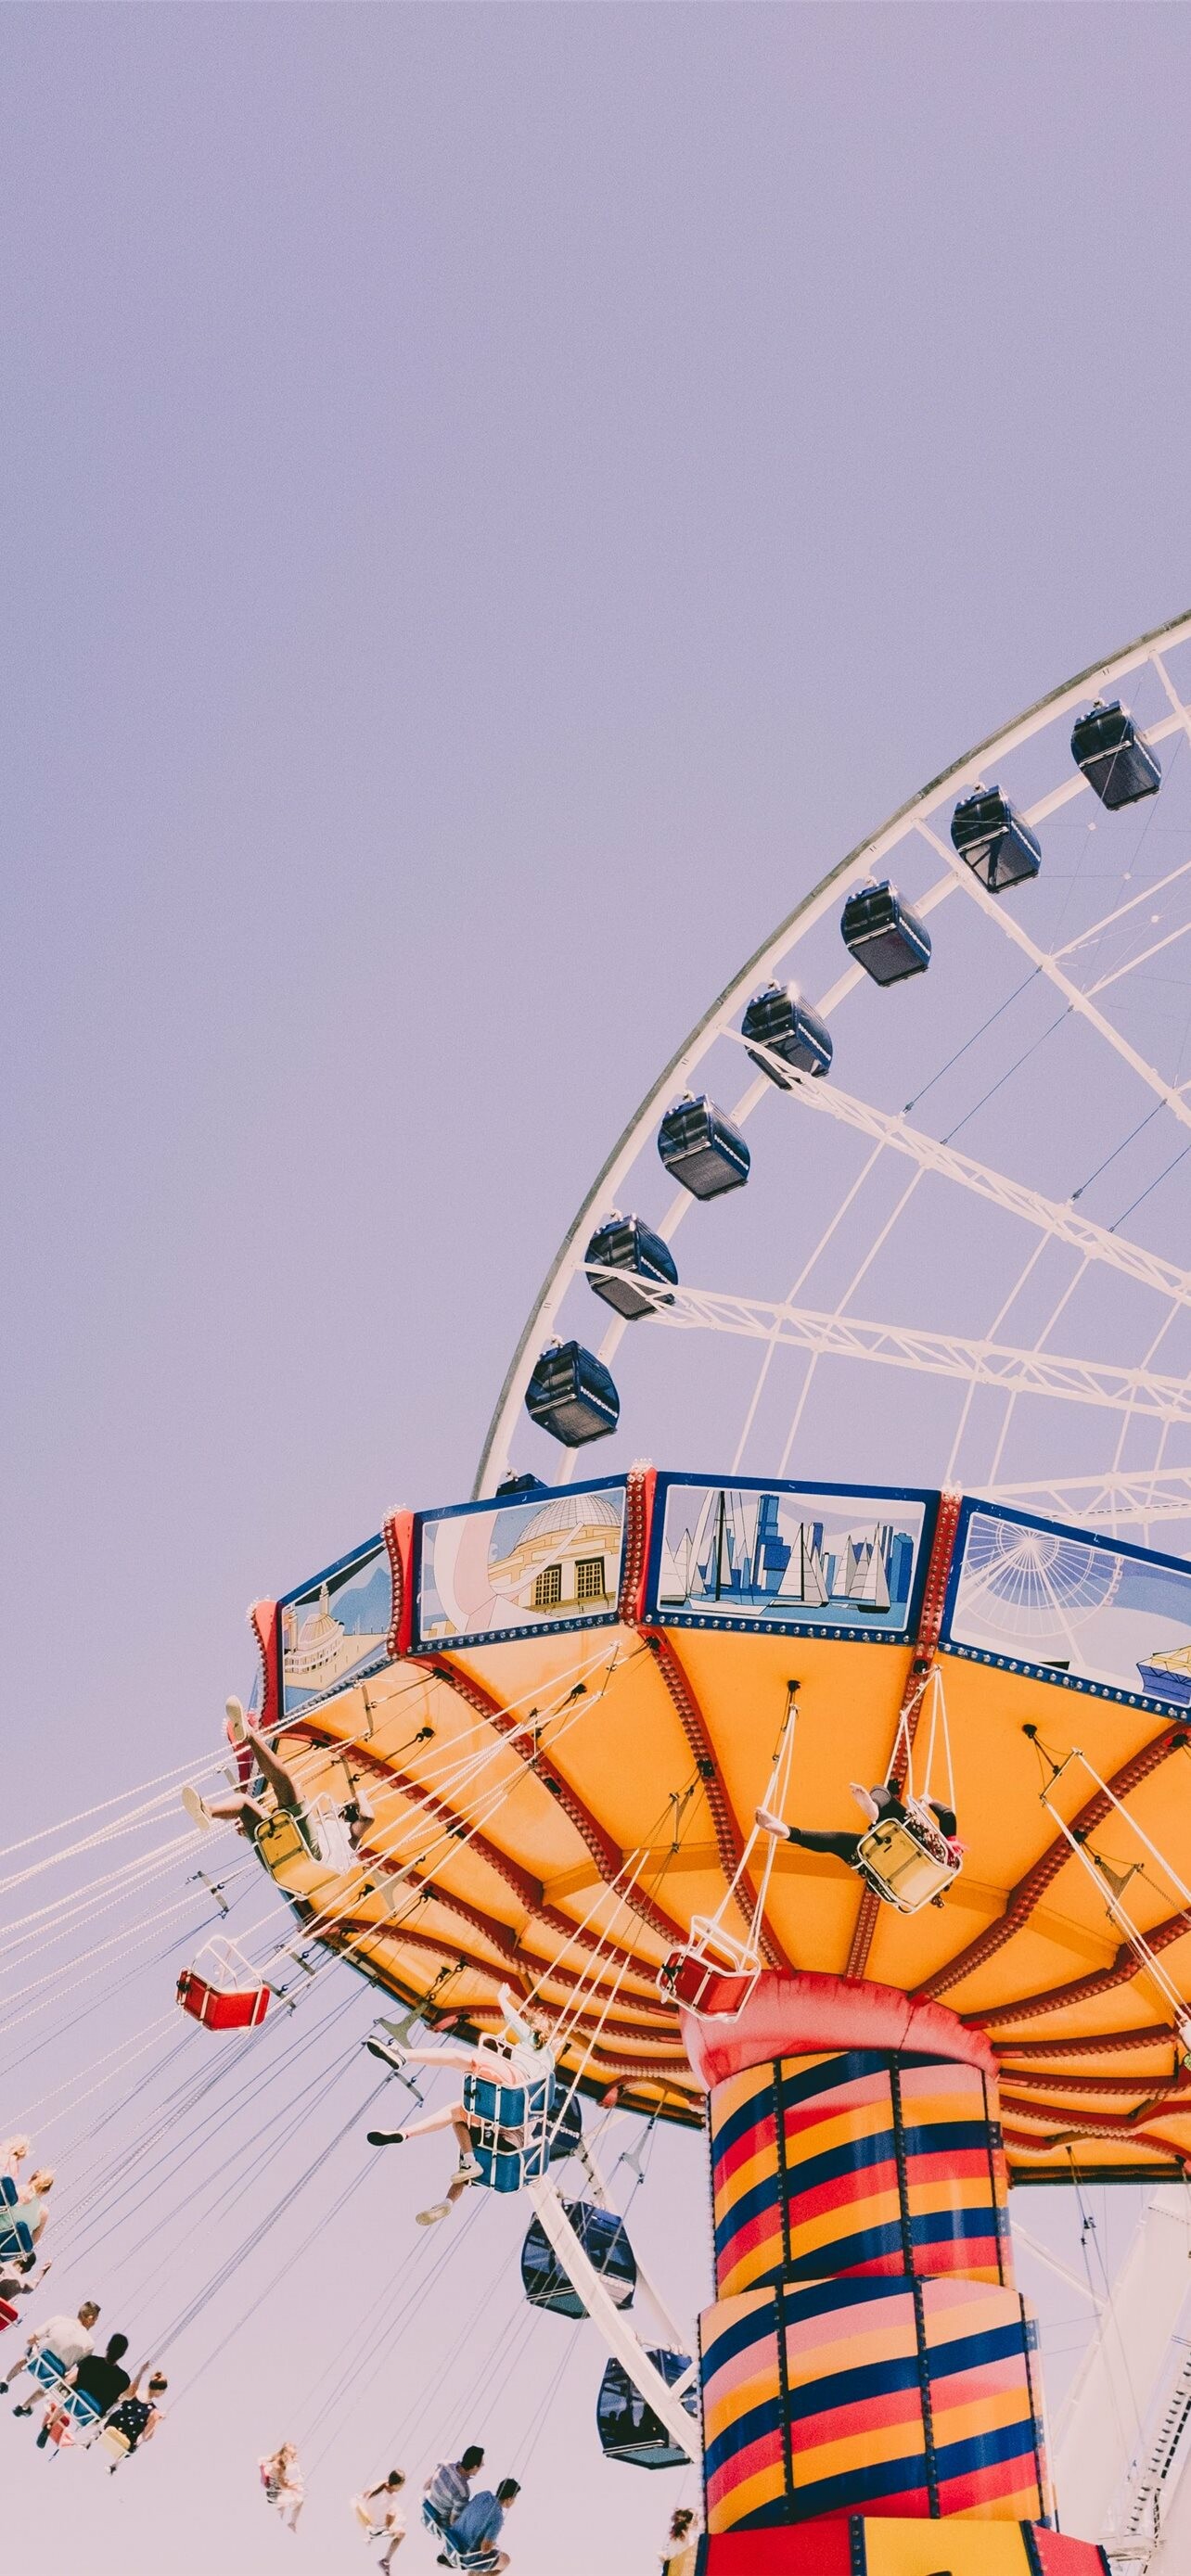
{"x":236,"y":1729}
{"x":197,"y":1809}
{"x":431,"y":2217}
{"x":469,"y":2170}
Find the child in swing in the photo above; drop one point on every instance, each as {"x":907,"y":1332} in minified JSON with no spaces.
{"x":281,"y":2479}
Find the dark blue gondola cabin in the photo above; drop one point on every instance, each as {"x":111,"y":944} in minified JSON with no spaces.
{"x":883,"y":935}
{"x":993,"y":841}
{"x":700,"y":1146}
{"x":634,"y":1252}
{"x":778,"y":1020}
{"x":604,"y":2239}
{"x":572,"y":1395}
{"x":628,"y":2428}
{"x":1108,"y":748}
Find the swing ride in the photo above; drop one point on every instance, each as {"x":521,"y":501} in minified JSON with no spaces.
{"x":534,"y":1737}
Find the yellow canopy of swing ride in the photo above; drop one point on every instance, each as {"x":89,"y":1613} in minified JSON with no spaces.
{"x":553,"y":1804}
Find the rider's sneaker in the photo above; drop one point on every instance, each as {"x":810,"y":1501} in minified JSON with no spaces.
{"x":386,"y":2137}
{"x":387,"y":2053}
{"x":469,"y":2169}
{"x":197,"y":1808}
{"x":234,"y":1722}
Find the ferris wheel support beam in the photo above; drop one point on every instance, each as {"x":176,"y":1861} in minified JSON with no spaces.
{"x":1150,"y":1494}
{"x":1047,"y":1373}
{"x":1051,"y":1216}
{"x":765,"y":960}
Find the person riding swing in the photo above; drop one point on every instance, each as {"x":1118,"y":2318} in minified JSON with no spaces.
{"x":909,"y":1851}
{"x":499,"y":2141}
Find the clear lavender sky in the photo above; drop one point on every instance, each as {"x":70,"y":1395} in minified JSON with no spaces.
{"x":465,"y":472}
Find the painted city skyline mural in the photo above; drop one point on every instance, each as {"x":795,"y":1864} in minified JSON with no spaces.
{"x":786,"y":1557}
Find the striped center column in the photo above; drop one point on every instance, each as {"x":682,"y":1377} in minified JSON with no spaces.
{"x":867,"y":2351}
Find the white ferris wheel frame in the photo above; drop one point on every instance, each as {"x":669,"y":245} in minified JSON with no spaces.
{"x":1139,"y":1496}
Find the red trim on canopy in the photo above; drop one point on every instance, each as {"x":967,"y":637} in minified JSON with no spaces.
{"x":266,"y":1628}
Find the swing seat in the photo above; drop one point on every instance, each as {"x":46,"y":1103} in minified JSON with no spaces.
{"x":279,"y":1842}
{"x":75,"y":2408}
{"x":907,"y":1862}
{"x":16,"y":2235}
{"x":8,"y":2313}
{"x":330,"y":1840}
{"x":509,"y":2123}
{"x":440,"y":2530}
{"x":115,"y":2443}
{"x":222,"y":1991}
{"x":713,"y":1975}
{"x":45,"y":2368}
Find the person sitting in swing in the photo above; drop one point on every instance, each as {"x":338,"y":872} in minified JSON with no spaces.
{"x":380,"y":2516}
{"x":281,"y":2478}
{"x":480,"y":2063}
{"x":880,"y":1805}
{"x":245,"y":1810}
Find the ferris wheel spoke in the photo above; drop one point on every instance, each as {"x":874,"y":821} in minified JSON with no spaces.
{"x":1049,"y":966}
{"x":1106,"y":921}
{"x":1052,"y":1216}
{"x":1181,"y":713}
{"x":1155,"y":949}
{"x":1042,"y":1338}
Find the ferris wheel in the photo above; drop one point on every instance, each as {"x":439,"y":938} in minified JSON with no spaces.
{"x":910,"y":1199}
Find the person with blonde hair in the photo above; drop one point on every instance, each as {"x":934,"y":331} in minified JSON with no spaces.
{"x":31,"y":2200}
{"x":282,"y":2481}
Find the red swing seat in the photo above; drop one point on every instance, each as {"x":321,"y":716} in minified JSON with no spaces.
{"x":221,"y":1990}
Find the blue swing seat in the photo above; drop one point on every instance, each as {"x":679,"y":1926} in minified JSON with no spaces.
{"x":468,"y":2560}
{"x":16,"y":2235}
{"x":510,"y":2126}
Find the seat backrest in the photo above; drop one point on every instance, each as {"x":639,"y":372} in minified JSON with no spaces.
{"x":330,"y":1836}
{"x":279,"y":1841}
{"x":497,"y":2106}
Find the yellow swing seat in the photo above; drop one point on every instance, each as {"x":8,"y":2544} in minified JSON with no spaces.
{"x":906,"y":1860}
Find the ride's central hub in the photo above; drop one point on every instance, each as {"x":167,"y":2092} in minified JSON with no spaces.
{"x":867,"y":2362}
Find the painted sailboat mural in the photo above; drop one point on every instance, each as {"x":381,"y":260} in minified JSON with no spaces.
{"x":786,"y":1557}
